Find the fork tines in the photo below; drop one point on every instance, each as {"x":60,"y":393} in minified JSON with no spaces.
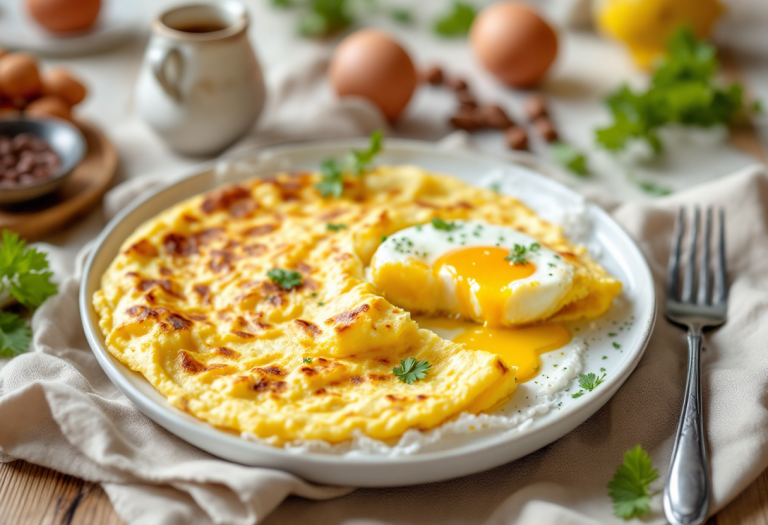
{"x":709,"y":279}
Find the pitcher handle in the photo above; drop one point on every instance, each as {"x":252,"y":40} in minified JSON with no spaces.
{"x":168,"y":67}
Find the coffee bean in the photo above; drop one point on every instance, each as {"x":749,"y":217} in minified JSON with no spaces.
{"x":433,"y":75}
{"x":495,"y":117}
{"x":545,"y":128}
{"x":535,"y":107}
{"x":457,"y":84}
{"x":516,"y":138}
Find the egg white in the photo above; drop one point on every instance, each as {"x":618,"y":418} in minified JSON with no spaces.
{"x":529,"y":299}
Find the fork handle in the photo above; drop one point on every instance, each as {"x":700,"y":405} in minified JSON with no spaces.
{"x":687,"y":491}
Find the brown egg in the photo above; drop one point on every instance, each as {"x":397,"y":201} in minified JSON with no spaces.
{"x":49,"y":106}
{"x":370,"y":64}
{"x":61,"y":83}
{"x":19,"y":76}
{"x":514,"y":43}
{"x":64,"y":16}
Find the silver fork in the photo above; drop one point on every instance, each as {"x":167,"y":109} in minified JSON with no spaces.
{"x":687,"y":490}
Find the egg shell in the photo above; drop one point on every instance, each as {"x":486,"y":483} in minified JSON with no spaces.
{"x":64,"y":16}
{"x":60,"y":83}
{"x":19,"y":75}
{"x":371,"y":64}
{"x":514,"y":43}
{"x":49,"y":106}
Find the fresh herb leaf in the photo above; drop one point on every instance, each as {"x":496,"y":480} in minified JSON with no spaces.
{"x":570,"y":158}
{"x":517,"y":253}
{"x":358,"y":161}
{"x":616,"y":345}
{"x":448,"y":226}
{"x":578,"y":394}
{"x":335,"y":227}
{"x":285,"y":279}
{"x":402,"y":15}
{"x":411,"y":370}
{"x":457,"y":21}
{"x":332,"y":170}
{"x":324,"y":17}
{"x":331,"y":178}
{"x":683,"y":90}
{"x":652,"y":188}
{"x":15,"y":335}
{"x":24,"y":271}
{"x":307,"y":360}
{"x":590,"y":381}
{"x":629,"y":487}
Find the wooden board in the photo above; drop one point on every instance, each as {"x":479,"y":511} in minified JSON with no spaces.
{"x":79,"y":195}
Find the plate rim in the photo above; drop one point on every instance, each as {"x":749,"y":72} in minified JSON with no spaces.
{"x":112,"y":367}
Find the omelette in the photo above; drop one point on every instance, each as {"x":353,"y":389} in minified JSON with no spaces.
{"x":263,"y":307}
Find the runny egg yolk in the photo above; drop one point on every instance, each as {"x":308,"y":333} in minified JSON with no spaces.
{"x":484,"y":271}
{"x":520,"y":347}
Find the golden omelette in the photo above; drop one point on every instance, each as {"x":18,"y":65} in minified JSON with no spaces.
{"x":188,"y":304}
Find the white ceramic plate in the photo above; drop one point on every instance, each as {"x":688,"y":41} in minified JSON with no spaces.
{"x":631,"y":319}
{"x":18,"y":31}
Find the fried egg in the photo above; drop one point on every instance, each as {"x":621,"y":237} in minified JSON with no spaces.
{"x":486,"y":273}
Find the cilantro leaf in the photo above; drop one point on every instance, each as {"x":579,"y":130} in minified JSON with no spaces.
{"x":24,"y":271}
{"x":570,"y":158}
{"x":683,"y":90}
{"x":15,"y":335}
{"x":335,"y":227}
{"x":590,"y":381}
{"x":457,"y":21}
{"x":358,"y":161}
{"x":629,"y":487}
{"x":411,"y":370}
{"x":285,"y":279}
{"x":447,"y":226}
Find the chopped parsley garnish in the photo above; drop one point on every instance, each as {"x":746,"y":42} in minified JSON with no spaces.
{"x":457,"y":21}
{"x":518,"y":253}
{"x":570,"y":158}
{"x":612,"y":334}
{"x":307,"y":360}
{"x":590,"y":381}
{"x":411,"y":370}
{"x":578,"y":394}
{"x":332,"y":170}
{"x":285,"y":279}
{"x":683,"y":91}
{"x":629,"y":488}
{"x":448,"y":226}
{"x":616,"y":345}
{"x":335,"y":227}
{"x":495,"y":187}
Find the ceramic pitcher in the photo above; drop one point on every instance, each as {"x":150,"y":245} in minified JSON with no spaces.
{"x":200,"y":87}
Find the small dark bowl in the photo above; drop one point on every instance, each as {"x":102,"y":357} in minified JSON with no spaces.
{"x":65,"y":139}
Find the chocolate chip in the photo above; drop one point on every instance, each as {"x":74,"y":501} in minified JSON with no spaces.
{"x":516,"y":138}
{"x":535,"y":107}
{"x":545,"y":129}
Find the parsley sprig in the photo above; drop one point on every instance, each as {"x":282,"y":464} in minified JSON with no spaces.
{"x":335,"y":227}
{"x":588,"y":382}
{"x":24,"y":275}
{"x":285,"y":279}
{"x":682,"y":91}
{"x":448,"y":226}
{"x":570,"y":158}
{"x":411,"y":370}
{"x":457,"y":21}
{"x":332,"y":170}
{"x":518,"y":253}
{"x":629,"y":487}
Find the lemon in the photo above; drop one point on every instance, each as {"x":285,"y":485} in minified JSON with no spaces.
{"x":645,"y":25}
